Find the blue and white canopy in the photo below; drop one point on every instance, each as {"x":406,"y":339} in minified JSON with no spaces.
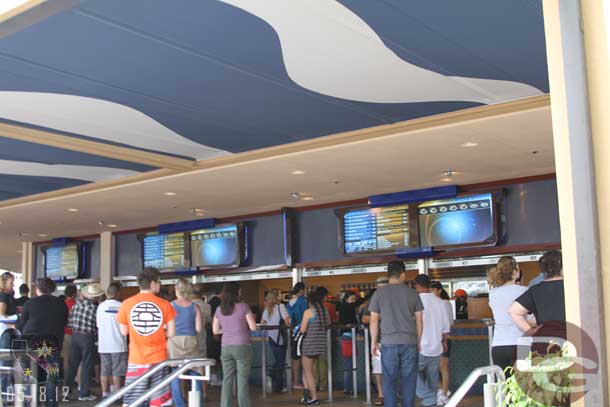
{"x":199,"y":79}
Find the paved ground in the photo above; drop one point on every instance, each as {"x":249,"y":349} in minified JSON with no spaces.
{"x":290,"y":400}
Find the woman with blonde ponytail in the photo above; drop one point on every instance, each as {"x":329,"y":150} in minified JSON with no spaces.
{"x":503,"y":293}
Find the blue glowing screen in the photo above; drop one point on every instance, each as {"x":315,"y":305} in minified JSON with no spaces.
{"x":61,"y":262}
{"x":215,"y":247}
{"x":459,"y":221}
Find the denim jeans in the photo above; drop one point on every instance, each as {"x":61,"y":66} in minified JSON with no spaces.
{"x":82,"y":350}
{"x":399,"y":365}
{"x":236,"y":362}
{"x":277,"y":370}
{"x":348,"y":384}
{"x":427,"y":379}
{"x":177,"y":390}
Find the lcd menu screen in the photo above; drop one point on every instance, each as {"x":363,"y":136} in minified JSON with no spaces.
{"x":164,"y":251}
{"x":216,"y":247}
{"x":376,"y":229}
{"x":61,"y":263}
{"x":462,"y":221}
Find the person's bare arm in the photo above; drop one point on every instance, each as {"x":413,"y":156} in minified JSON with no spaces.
{"x":198,"y":319}
{"x":251,"y":319}
{"x":305,"y":322}
{"x":171,"y":328}
{"x":216,"y":328}
{"x":518,"y":314}
{"x":124,"y":329}
{"x":374,"y":318}
{"x":419,"y":321}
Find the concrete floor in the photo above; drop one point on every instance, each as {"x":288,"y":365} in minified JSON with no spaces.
{"x":289,"y":399}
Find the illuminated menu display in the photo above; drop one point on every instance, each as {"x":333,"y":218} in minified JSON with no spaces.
{"x":164,"y":251}
{"x":61,"y":262}
{"x":378,"y":229}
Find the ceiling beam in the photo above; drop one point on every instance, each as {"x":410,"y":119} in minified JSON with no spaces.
{"x":48,"y":138}
{"x":445,"y":119}
{"x":423,"y":123}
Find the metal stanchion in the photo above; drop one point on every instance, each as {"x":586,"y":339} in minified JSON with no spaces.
{"x":289,"y":383}
{"x":367,"y":365}
{"x":490,"y":334}
{"x":264,"y":363}
{"x":329,"y":356}
{"x":354,"y":364}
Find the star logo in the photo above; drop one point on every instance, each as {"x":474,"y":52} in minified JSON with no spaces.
{"x":27,"y":372}
{"x":44,"y":351}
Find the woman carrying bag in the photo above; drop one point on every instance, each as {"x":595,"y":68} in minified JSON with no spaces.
{"x":275,"y":314}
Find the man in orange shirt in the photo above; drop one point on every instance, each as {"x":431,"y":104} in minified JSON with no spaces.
{"x":149,"y":321}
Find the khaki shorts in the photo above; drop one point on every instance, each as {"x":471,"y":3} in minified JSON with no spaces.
{"x":113,"y":364}
{"x":179,"y":347}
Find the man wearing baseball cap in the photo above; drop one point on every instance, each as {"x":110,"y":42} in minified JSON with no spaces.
{"x":296,"y":308}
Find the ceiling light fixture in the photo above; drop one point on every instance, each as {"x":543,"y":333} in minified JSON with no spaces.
{"x":449,"y":173}
{"x":469,"y":144}
{"x":43,"y":234}
{"x":298,"y":172}
{"x":307,"y":198}
{"x":295,"y":195}
{"x":112,"y":225}
{"x":72,"y":210}
{"x":100,"y":223}
{"x":169,"y":193}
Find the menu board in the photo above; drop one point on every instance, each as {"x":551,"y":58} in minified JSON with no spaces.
{"x":215,"y":247}
{"x":462,"y":221}
{"x":61,"y":263}
{"x":164,"y":251}
{"x":376,"y":229}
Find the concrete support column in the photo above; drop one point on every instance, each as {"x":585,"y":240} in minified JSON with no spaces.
{"x":28,"y":264}
{"x":596,"y":28}
{"x":576,"y":183}
{"x":107,"y":259}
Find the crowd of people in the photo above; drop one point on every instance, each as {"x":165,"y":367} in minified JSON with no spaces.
{"x":409,"y":326}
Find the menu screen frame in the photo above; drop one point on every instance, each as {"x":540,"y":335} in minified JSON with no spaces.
{"x":413,"y":238}
{"x":491,"y":240}
{"x":78,"y":248}
{"x":186,"y":255}
{"x":238,"y":258}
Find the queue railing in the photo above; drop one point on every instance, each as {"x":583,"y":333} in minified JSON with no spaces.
{"x":354,"y":332}
{"x":287,"y":367}
{"x":17,"y":394}
{"x":494,"y":375}
{"x":181,"y":365}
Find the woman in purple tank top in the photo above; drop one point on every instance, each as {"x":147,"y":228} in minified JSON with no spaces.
{"x":234,"y":321}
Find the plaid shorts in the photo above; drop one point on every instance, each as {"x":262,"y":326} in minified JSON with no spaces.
{"x":162,"y":397}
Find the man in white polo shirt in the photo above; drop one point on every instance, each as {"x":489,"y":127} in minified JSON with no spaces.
{"x":112,"y":346}
{"x":433,"y":341}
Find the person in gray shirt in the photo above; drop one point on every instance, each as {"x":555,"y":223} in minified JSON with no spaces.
{"x":397,"y":310}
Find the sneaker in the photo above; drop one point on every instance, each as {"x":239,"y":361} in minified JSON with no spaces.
{"x":90,"y":397}
{"x":285,"y":390}
{"x":311,"y":402}
{"x":442,"y":400}
{"x":268,"y":385}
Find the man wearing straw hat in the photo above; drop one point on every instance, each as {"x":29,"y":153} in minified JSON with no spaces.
{"x":82,"y":321}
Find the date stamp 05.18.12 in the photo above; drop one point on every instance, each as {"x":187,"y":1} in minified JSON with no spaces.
{"x":21,"y":394}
